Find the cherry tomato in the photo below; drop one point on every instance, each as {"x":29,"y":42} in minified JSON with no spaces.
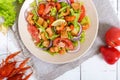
{"x":51,"y":19}
{"x":67,"y":42}
{"x":56,"y":41}
{"x":48,"y":7}
{"x":41,"y":9}
{"x":112,"y":37}
{"x":82,"y":14}
{"x":58,"y":6}
{"x":34,"y":33}
{"x":110,"y":54}
{"x":71,"y":1}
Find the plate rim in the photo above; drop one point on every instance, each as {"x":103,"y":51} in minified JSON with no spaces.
{"x":72,"y":60}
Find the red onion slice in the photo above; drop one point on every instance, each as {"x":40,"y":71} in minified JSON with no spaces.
{"x":80,"y":31}
{"x":78,"y":36}
{"x":68,"y":2}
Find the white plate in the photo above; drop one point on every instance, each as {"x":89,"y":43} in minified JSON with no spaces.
{"x":91,"y":34}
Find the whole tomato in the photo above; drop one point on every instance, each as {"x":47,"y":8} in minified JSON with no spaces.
{"x":110,"y":54}
{"x":112,"y":37}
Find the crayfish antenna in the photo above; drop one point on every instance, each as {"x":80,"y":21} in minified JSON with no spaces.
{"x":23,"y":63}
{"x":24,"y":69}
{"x":12,"y":56}
{"x":28,"y":76}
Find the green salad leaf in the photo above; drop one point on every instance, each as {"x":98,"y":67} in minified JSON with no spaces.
{"x":21,"y":1}
{"x":75,"y":22}
{"x":53,"y":11}
{"x":82,"y":37}
{"x":75,"y":43}
{"x":8,"y":13}
{"x":85,"y":20}
{"x":63,"y":4}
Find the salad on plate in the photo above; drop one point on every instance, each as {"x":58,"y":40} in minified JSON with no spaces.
{"x":57,"y":26}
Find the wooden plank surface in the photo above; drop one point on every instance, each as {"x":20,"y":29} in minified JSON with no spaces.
{"x":114,"y":4}
{"x":95,"y":68}
{"x":71,"y":75}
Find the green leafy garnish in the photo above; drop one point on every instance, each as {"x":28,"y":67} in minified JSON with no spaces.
{"x":35,"y":17}
{"x":8,"y":12}
{"x":82,"y":37}
{"x":53,"y":11}
{"x":21,"y":1}
{"x":54,"y":36}
{"x":63,"y":4}
{"x":70,"y":35}
{"x":63,"y":8}
{"x":75,"y":43}
{"x":85,"y":20}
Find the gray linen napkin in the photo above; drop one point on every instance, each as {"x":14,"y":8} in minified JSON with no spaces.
{"x":46,"y":71}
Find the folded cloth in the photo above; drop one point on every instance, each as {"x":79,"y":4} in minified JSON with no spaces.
{"x":45,"y":71}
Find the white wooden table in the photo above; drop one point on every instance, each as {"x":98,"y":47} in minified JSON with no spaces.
{"x":96,"y":68}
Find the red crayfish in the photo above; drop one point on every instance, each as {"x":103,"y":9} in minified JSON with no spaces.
{"x":9,"y":71}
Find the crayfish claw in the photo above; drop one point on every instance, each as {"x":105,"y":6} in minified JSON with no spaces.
{"x":12,"y":56}
{"x":23,"y":63}
{"x":24,"y":69}
{"x":28,"y":76}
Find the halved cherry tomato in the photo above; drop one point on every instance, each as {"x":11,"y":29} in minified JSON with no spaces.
{"x":69,"y":43}
{"x":45,"y":17}
{"x":58,"y":6}
{"x":51,"y":19}
{"x":66,"y":41}
{"x":52,"y":4}
{"x":48,"y":6}
{"x":71,"y":1}
{"x":82,"y":14}
{"x":56,"y":41}
{"x":41,"y":9}
{"x":34,"y":33}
